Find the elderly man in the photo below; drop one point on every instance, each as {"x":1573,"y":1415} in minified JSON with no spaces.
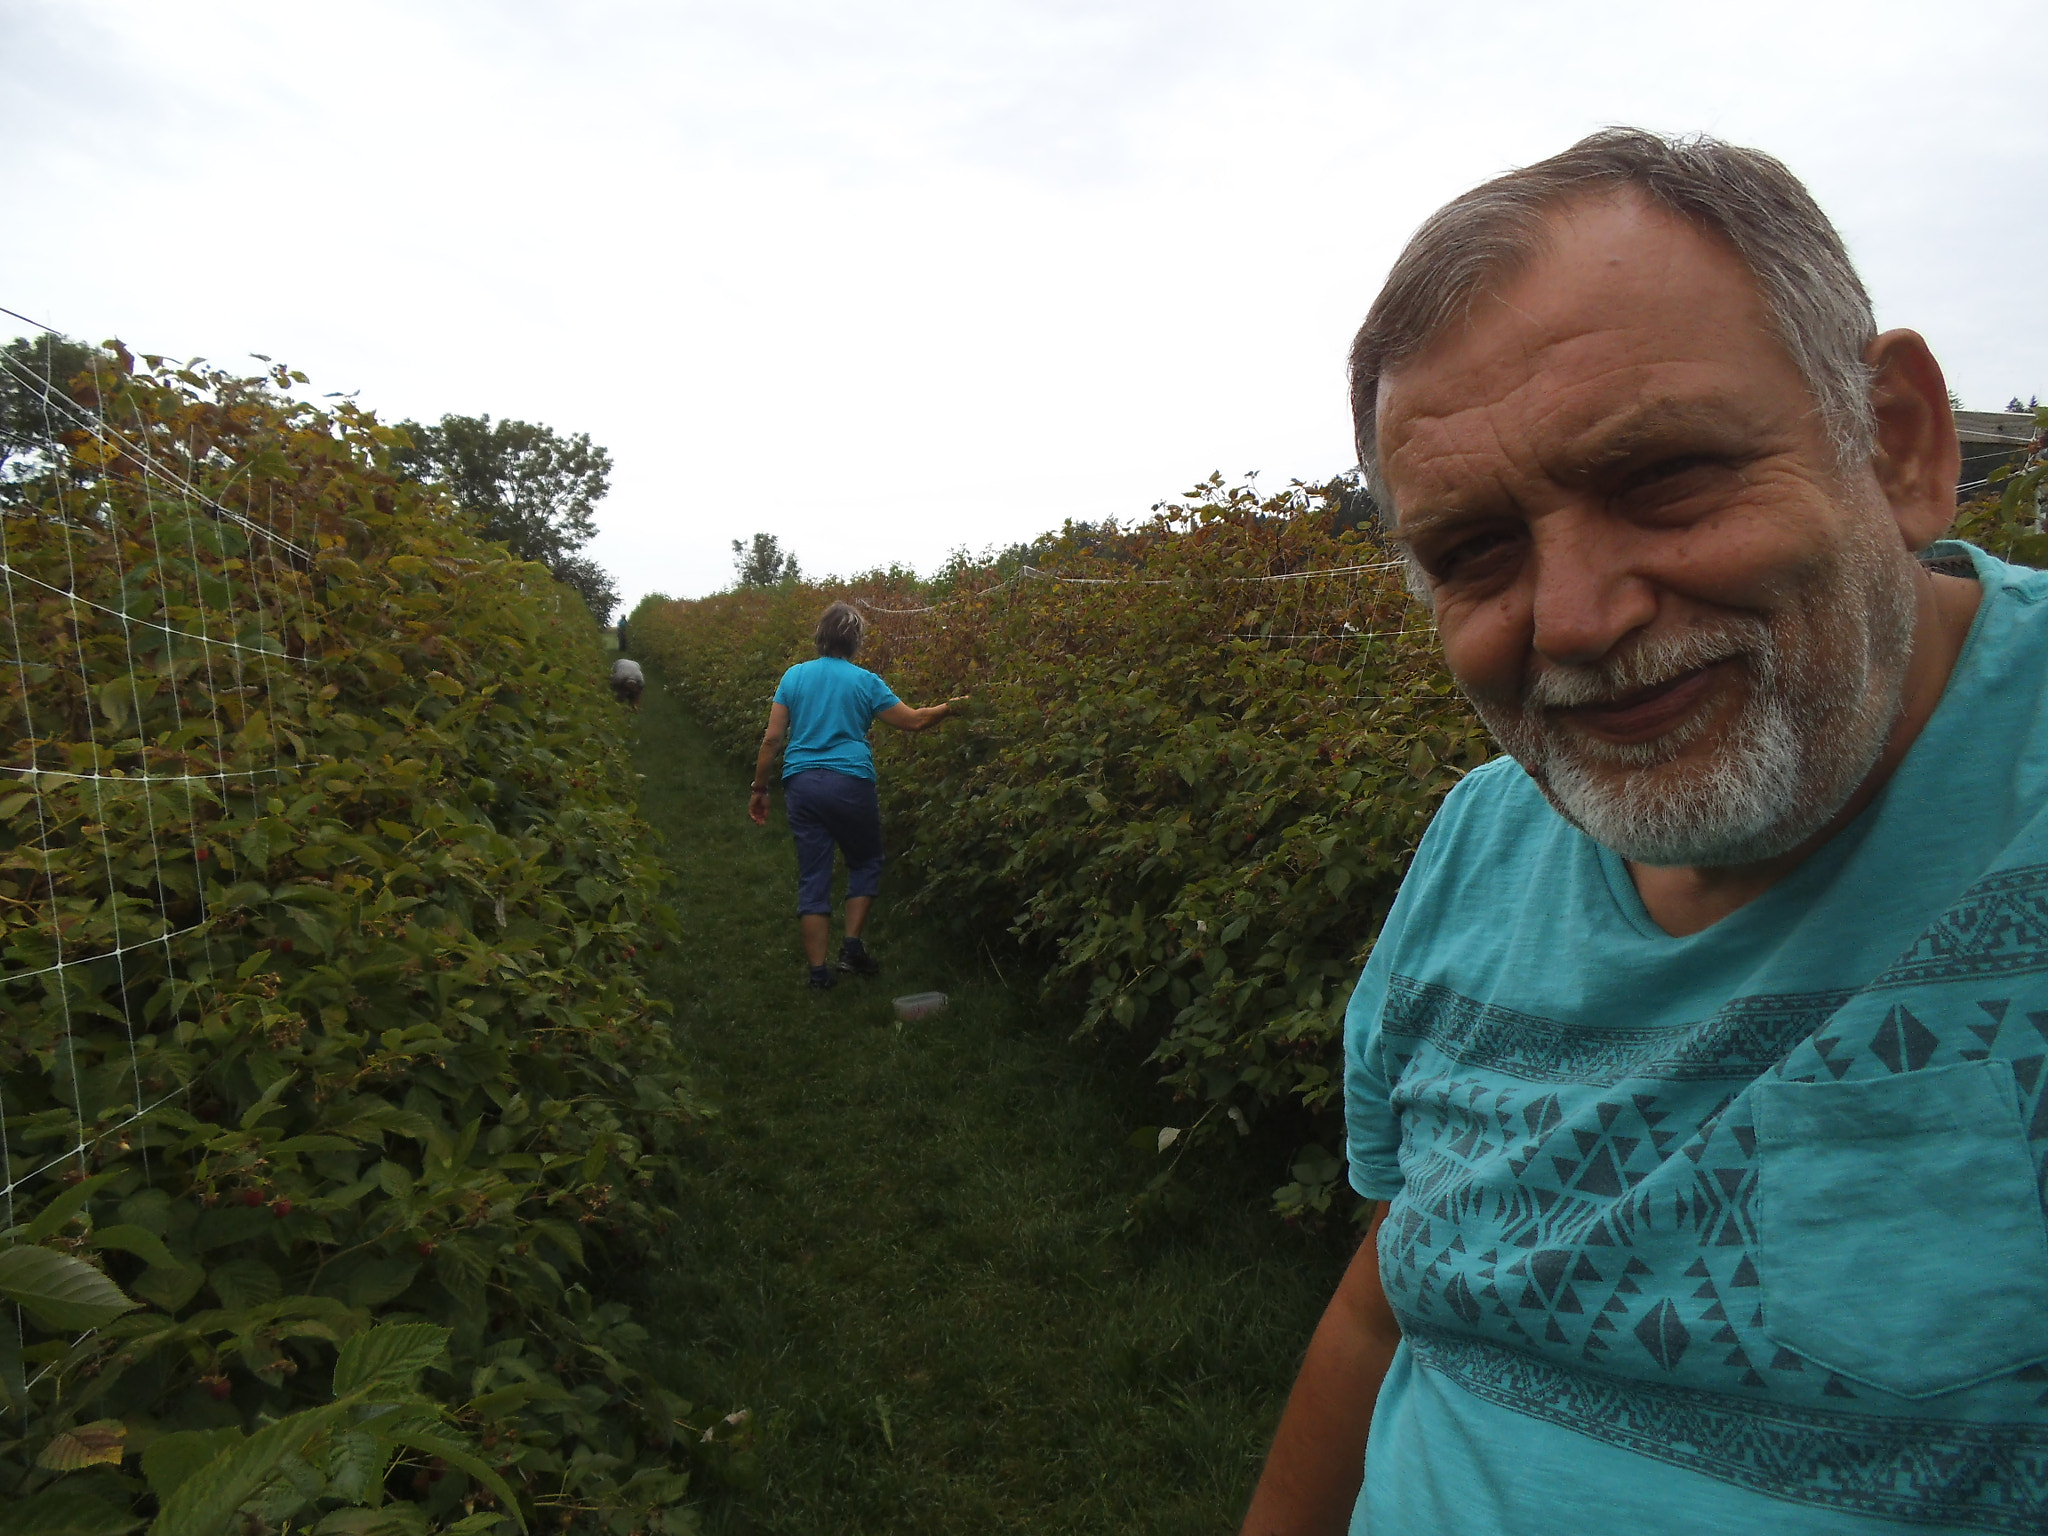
{"x":1700,"y":1062}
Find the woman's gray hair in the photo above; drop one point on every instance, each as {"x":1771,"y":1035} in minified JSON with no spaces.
{"x":1815,"y":301}
{"x":839,"y":630}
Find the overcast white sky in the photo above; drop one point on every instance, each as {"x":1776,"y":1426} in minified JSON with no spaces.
{"x":888,"y":277}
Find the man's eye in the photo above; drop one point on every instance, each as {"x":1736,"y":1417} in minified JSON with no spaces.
{"x":1674,"y":476}
{"x":1468,"y":555}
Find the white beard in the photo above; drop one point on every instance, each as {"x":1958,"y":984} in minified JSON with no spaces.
{"x":1825,"y":675}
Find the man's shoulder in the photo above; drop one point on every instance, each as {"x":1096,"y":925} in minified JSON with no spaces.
{"x":2023,"y":585}
{"x":2006,"y":651}
{"x":1499,"y":787}
{"x":1493,"y":819}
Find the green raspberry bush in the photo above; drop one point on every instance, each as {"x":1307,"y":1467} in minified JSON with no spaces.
{"x":332,"y":1089}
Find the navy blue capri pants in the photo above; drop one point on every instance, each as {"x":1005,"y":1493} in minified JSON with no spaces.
{"x":828,"y":809}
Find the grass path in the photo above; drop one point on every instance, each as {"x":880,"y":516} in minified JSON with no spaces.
{"x":900,"y":1247}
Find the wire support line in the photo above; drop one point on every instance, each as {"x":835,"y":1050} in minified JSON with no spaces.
{"x":1342,"y":634}
{"x":905,"y":613}
{"x":1334,"y":570}
{"x":1181,"y":581}
{"x":98,"y":427}
{"x":28,"y":320}
{"x":1977,"y":485}
{"x":138,"y":778}
{"x":1033,"y":573}
{"x":129,"y":618}
{"x":85,"y":1146}
{"x":946,"y":603}
{"x":105,"y":954}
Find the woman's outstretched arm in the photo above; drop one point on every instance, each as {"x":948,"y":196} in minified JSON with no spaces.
{"x":907,"y":717}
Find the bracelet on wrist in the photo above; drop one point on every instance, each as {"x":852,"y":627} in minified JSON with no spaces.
{"x":760,"y":789}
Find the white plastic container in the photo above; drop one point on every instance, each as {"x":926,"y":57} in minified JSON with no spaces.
{"x":919,"y":1004}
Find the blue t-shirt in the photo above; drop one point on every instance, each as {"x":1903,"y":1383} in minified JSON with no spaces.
{"x":831,"y":704}
{"x":1737,"y":1232}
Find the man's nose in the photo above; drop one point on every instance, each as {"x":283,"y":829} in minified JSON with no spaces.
{"x":1587,"y":599}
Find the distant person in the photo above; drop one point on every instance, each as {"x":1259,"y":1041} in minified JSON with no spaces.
{"x":622,"y":637}
{"x":628,"y":681}
{"x":824,"y":708}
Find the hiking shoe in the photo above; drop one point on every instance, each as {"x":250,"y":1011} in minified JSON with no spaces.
{"x":855,"y":960}
{"x":821,"y":979}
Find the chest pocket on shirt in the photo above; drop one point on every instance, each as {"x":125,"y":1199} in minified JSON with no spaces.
{"x":1900,"y":1235}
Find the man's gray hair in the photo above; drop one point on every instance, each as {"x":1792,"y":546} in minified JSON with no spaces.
{"x":839,"y":630}
{"x":1814,"y":299}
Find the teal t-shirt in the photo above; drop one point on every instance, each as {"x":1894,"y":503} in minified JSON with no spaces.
{"x":1738,"y":1232}
{"x":831,"y":704}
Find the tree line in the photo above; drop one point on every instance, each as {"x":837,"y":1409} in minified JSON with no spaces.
{"x":523,"y":485}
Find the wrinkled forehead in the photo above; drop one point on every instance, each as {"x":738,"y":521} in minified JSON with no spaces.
{"x":1623,"y":302}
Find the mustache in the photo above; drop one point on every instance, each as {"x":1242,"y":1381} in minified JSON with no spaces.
{"x":1650,"y":663}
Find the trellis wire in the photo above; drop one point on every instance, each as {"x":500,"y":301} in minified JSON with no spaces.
{"x":63,"y":535}
{"x":1033,"y":573}
{"x":1316,"y":623}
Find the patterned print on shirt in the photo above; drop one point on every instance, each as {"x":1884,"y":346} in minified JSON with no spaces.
{"x":1979,"y":1477}
{"x":1579,"y":1208}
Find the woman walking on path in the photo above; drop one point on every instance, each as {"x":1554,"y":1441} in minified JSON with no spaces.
{"x":824,"y":708}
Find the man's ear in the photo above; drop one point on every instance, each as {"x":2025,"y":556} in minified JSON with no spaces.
{"x":1918,"y":458}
